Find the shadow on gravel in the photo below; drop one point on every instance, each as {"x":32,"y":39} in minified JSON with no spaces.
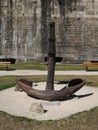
{"x":9,"y":69}
{"x":92,"y":70}
{"x":77,"y":96}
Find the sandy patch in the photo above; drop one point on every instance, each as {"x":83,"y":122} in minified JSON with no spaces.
{"x":18,"y":103}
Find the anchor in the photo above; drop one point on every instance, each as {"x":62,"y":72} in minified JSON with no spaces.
{"x":50,"y":93}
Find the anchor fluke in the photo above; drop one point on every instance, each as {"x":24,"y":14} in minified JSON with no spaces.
{"x":50,"y":95}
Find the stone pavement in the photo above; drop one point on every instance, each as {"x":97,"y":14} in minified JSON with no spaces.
{"x":39,"y":72}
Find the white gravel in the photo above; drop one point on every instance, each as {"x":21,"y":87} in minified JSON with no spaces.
{"x":18,"y":103}
{"x":40,"y":72}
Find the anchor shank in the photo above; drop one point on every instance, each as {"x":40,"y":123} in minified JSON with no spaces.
{"x":51,"y":58}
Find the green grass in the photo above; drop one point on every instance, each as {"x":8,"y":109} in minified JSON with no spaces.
{"x":87,"y":120}
{"x":43,"y":66}
{"x":39,"y":66}
{"x":10,"y":81}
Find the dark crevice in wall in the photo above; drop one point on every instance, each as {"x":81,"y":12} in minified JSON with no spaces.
{"x":62,"y":6}
{"x":35,"y":23}
{"x":11,"y":3}
{"x":9,"y":26}
{"x":45,"y":7}
{"x":0,"y":27}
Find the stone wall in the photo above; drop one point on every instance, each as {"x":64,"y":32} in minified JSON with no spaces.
{"x":20,"y":30}
{"x":24,"y":29}
{"x":82,"y":32}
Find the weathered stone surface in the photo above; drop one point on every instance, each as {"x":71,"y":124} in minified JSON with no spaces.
{"x":37,"y":108}
{"x":24,"y":29}
{"x":17,"y":88}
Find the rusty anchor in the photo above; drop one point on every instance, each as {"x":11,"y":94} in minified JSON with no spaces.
{"x":50,"y":93}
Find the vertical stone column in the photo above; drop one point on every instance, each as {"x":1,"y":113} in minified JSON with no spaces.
{"x":45,"y":16}
{"x":0,"y":27}
{"x":51,"y":58}
{"x":9,"y":28}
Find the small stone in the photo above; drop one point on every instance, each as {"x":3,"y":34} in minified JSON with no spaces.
{"x":17,"y":88}
{"x":37,"y":108}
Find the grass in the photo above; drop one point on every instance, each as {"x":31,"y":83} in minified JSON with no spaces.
{"x":10,"y":81}
{"x":39,"y":66}
{"x":87,"y":120}
{"x":43,"y":66}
